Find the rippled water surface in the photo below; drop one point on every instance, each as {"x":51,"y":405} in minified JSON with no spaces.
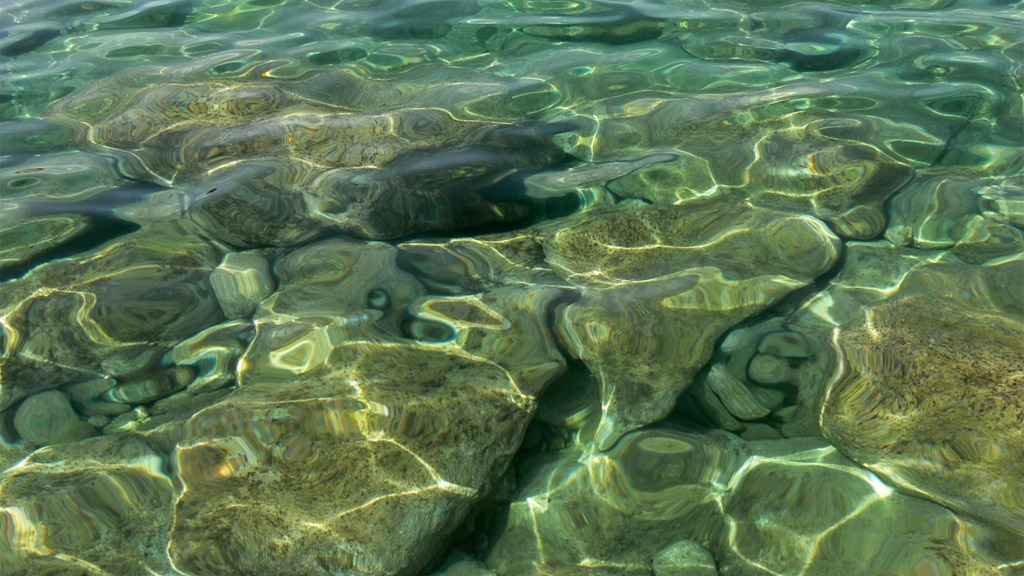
{"x":522,"y":287}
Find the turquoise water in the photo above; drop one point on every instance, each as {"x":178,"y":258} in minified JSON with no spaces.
{"x":468,"y":288}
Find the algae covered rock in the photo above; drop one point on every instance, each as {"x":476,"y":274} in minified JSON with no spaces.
{"x":778,"y":370}
{"x":931,"y":400}
{"x":660,"y":284}
{"x":398,"y":436}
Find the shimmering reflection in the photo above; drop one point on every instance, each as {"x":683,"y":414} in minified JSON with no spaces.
{"x":500,"y":288}
{"x":103,"y":503}
{"x":748,"y":502}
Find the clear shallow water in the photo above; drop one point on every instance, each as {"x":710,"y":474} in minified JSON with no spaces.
{"x":473,"y":288}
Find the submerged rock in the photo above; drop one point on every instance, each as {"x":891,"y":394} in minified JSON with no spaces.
{"x":939,"y":211}
{"x":424,"y":191}
{"x":252,"y":153}
{"x":48,"y":200}
{"x":258,"y":382}
{"x":684,"y":558}
{"x":683,"y":178}
{"x":257,"y":202}
{"x":365,"y":467}
{"x":931,"y":400}
{"x":844,"y":183}
{"x":213,"y":354}
{"x":791,"y":357}
{"x":611,"y":513}
{"x":1004,"y":201}
{"x":809,"y":510}
{"x":241,"y":282}
{"x":462,"y":565}
{"x":798,"y":167}
{"x":43,"y":182}
{"x":508,"y":326}
{"x":88,"y":397}
{"x":25,"y":238}
{"x":481,"y":263}
{"x":766,"y":374}
{"x":47,"y":418}
{"x":726,"y":132}
{"x":329,"y":291}
{"x":557,"y":183}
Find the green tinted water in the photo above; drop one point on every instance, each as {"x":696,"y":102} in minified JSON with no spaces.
{"x":466,"y":288}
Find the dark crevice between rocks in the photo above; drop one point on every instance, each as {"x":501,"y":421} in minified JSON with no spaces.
{"x":8,"y":434}
{"x":477,"y":535}
{"x":511,"y":190}
{"x":687,"y":411}
{"x":796,"y":299}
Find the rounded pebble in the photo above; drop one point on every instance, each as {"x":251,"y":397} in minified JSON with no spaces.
{"x":769,"y":369}
{"x":47,"y":418}
{"x":684,"y":558}
{"x":241,"y":282}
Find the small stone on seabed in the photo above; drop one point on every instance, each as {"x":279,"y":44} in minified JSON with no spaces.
{"x":47,"y":418}
{"x":769,"y":369}
{"x":241,"y":282}
{"x":126,"y":421}
{"x":684,"y":558}
{"x":87,"y":397}
{"x":735,"y":395}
